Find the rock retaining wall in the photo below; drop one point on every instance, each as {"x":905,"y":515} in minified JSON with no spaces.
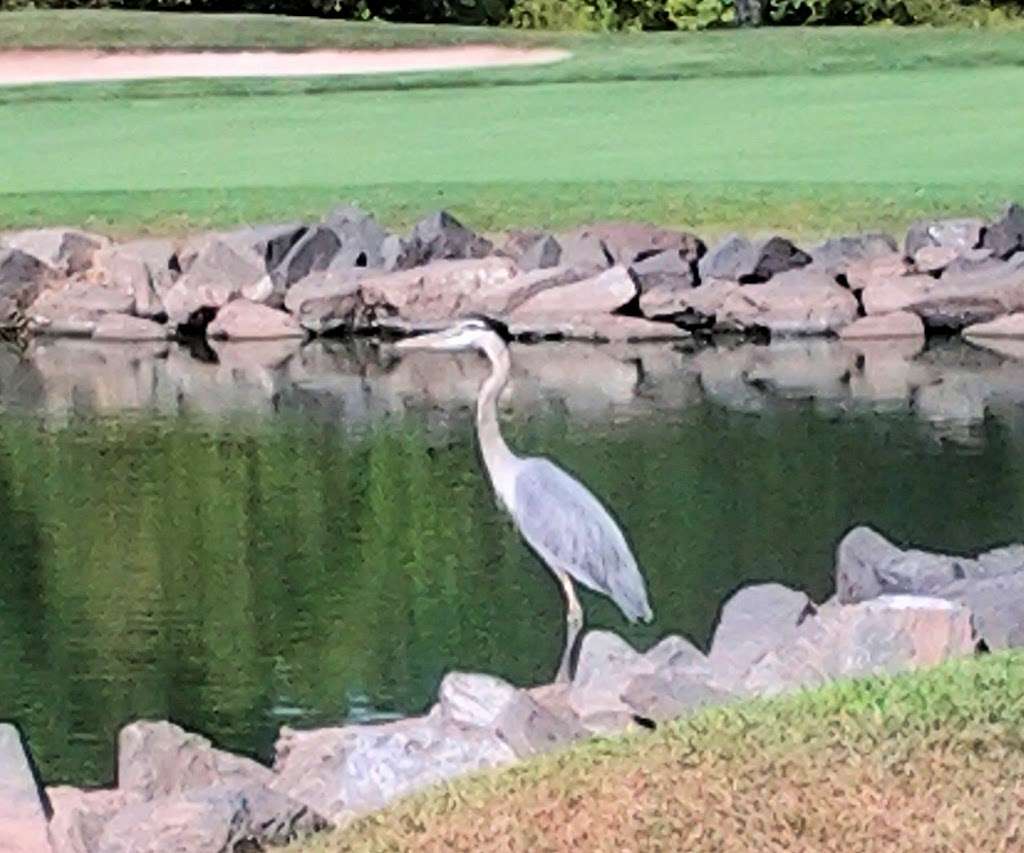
{"x":895,"y":610}
{"x":607,"y":282}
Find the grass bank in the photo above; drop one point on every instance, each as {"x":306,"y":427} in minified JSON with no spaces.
{"x":929,"y":761}
{"x":807,"y":130}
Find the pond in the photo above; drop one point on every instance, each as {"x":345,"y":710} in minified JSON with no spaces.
{"x":249,"y":538}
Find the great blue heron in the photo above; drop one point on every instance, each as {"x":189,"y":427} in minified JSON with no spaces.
{"x":558,"y":517}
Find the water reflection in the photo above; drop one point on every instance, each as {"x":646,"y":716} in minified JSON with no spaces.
{"x":286,"y":534}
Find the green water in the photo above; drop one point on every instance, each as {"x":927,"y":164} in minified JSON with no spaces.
{"x":240,"y":573}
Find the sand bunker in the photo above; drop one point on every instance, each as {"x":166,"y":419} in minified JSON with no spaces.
{"x":61,"y":66}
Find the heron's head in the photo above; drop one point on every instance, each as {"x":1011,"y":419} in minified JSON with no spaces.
{"x":476,"y":332}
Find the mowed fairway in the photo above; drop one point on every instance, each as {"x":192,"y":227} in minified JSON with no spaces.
{"x":806,"y":152}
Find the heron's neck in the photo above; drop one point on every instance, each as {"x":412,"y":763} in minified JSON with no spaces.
{"x":492,"y":445}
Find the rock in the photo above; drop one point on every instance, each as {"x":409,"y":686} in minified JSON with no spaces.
{"x":218,"y":274}
{"x":142,"y":269}
{"x":668,"y":270}
{"x":76,"y":309}
{"x":675,"y":653}
{"x":599,"y":328}
{"x":1000,"y":561}
{"x":248,"y":321}
{"x":899,"y":324}
{"x":215,"y":819}
{"x":883,"y":636}
{"x":486,"y":702}
{"x":605,"y":667}
{"x":835,"y":256}
{"x":861,"y":559}
{"x":997,"y":608}
{"x":65,"y":250}
{"x":875,"y":270}
{"x":22,"y":279}
{"x":348,"y":771}
{"x":438,"y":292}
{"x":327,"y":314}
{"x":657,"y":698}
{"x":159,"y":759}
{"x":958,"y":399}
{"x":957,"y":301}
{"x":692,"y":308}
{"x":122,"y":327}
{"x":1006,"y":235}
{"x":889,"y":296}
{"x":22,"y":813}
{"x":440,"y":236}
{"x":314,"y":252}
{"x":958,"y":234}
{"x":1009,"y":326}
{"x":934,"y":259}
{"x":601,"y":294}
{"x":738,"y":259}
{"x":333,"y":281}
{"x":584,"y":253}
{"x":628,"y":242}
{"x":543,"y":252}
{"x":79,"y":817}
{"x":271,"y":242}
{"x":755,"y":621}
{"x":973,"y":261}
{"x":802,"y":302}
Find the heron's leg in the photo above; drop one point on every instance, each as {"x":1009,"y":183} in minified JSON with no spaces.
{"x":573,"y":624}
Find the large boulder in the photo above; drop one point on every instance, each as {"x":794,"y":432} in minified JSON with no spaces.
{"x":668,"y":270}
{"x":79,"y":817}
{"x":801,"y":302}
{"x":884,"y":636}
{"x":440,"y":236}
{"x":334,"y":281}
{"x":601,"y":294}
{"x":996,"y":604}
{"x":344,"y":772}
{"x":243,"y":320}
{"x":22,"y":814}
{"x":629,"y":242}
{"x":159,"y":759}
{"x":542,"y":252}
{"x":216,"y":819}
{"x":22,"y":278}
{"x":144,"y":268}
{"x":1005,"y":236}
{"x":604,"y":669}
{"x":878,"y":269}
{"x":485,"y":702}
{"x":958,"y":234}
{"x":270,"y":242}
{"x":69,"y":251}
{"x":220,"y":271}
{"x":692,"y":308}
{"x":76,"y":308}
{"x":736,"y":258}
{"x":883,"y":295}
{"x":956,"y":301}
{"x":755,"y":621}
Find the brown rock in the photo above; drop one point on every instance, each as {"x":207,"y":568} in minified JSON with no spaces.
{"x":22,"y":817}
{"x":957,"y":301}
{"x":79,"y":817}
{"x":247,"y":321}
{"x":626,"y":241}
{"x":899,"y":324}
{"x":930,"y":259}
{"x":800,"y":302}
{"x":76,"y":308}
{"x":218,"y":274}
{"x":693,"y":307}
{"x":600,"y":294}
{"x":875,"y":270}
{"x":887,"y":296}
{"x":66,"y":250}
{"x":22,"y":279}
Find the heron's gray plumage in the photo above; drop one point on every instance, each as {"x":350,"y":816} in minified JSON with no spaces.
{"x":570,"y":529}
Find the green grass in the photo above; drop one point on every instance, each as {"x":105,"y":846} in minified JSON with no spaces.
{"x":928,"y":761}
{"x":806,"y":130}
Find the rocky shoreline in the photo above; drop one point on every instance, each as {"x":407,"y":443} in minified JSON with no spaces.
{"x":612,"y":282}
{"x":894,"y":610}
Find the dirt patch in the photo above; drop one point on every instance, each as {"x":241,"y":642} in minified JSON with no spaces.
{"x":63,"y":66}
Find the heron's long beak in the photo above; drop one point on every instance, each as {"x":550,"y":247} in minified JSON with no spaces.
{"x":430,"y":340}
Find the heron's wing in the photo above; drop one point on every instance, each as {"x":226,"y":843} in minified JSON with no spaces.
{"x":569,"y":529}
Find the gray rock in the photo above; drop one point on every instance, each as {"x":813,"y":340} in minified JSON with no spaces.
{"x":860,"y":554}
{"x":956,"y":301}
{"x":677,"y":654}
{"x":601,"y":294}
{"x":314,"y":252}
{"x":1001,"y":561}
{"x":219,"y":272}
{"x":215,"y":819}
{"x":692,"y":308}
{"x":22,"y":810}
{"x":959,"y":234}
{"x":333,"y":281}
{"x":440,"y":236}
{"x":66,"y":250}
{"x":657,"y":698}
{"x":997,"y":608}
{"x":973,"y":261}
{"x":328,"y":314}
{"x":835,"y":256}
{"x":878,"y":269}
{"x":736,"y":258}
{"x":670,"y":270}
{"x":585,"y":253}
{"x":159,"y":759}
{"x":755,"y":621}
{"x":514,"y":716}
{"x":1006,"y":235}
{"x":888,"y":296}
{"x":76,"y":309}
{"x":627,"y":242}
{"x":935,"y":259}
{"x":123,"y":327}
{"x":800,"y":302}
{"x":243,"y":320}
{"x":543,"y":252}
{"x":362,"y":238}
{"x":22,"y":279}
{"x":131,"y":272}
{"x":884,"y":636}
{"x":348,"y":771}
{"x":605,"y":667}
{"x":271,"y":242}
